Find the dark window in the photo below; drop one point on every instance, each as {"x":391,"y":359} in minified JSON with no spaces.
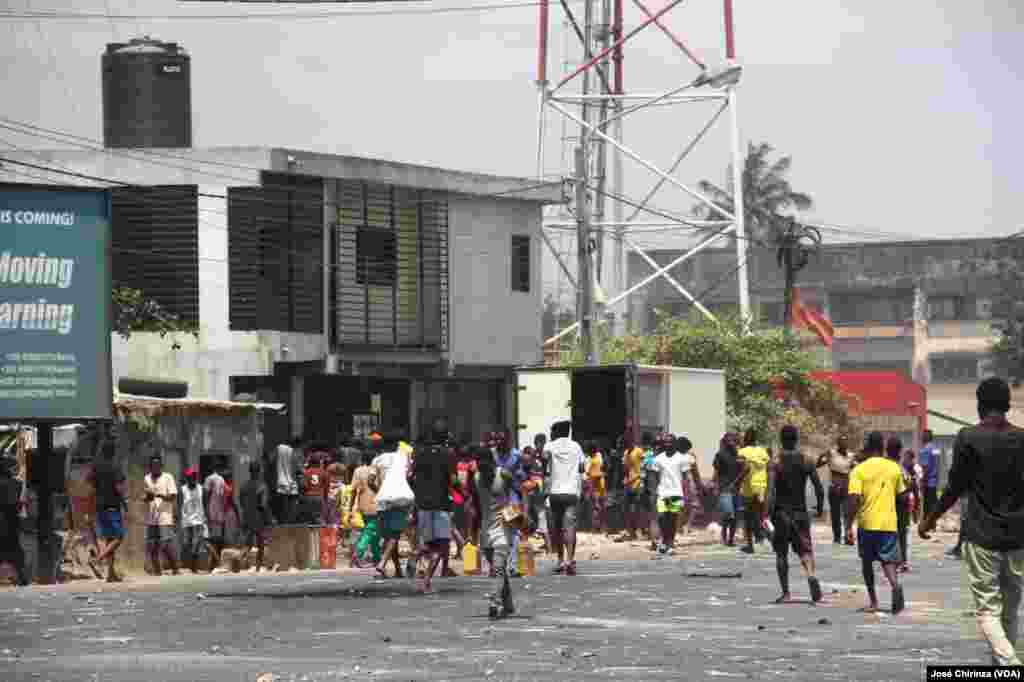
{"x":881,"y":366}
{"x":951,"y":308}
{"x":275,"y":253}
{"x":376,"y":256}
{"x":155,"y":244}
{"x":954,"y":369}
{"x":520,"y":263}
{"x":885,"y":308}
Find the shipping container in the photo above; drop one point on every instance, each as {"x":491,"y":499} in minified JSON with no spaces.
{"x":607,"y":401}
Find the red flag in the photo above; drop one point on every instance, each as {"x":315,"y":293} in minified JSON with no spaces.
{"x":811,"y":319}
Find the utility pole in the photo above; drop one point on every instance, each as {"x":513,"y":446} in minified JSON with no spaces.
{"x":584,"y":278}
{"x":796,"y":243}
{"x":738,"y":205}
{"x":603,"y":42}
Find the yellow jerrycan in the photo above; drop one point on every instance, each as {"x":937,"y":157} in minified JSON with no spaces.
{"x":470,"y":559}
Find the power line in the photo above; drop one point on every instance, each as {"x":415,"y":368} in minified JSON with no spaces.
{"x":210,"y":195}
{"x":98,"y":145}
{"x":59,"y":15}
{"x":247,"y":181}
{"x":92,"y":144}
{"x":93,"y":178}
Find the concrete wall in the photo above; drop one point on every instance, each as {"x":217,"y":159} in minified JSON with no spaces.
{"x":489,"y":324}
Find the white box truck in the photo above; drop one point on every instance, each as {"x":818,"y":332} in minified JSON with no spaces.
{"x":606,"y":400}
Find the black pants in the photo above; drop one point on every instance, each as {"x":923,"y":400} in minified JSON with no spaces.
{"x":837,"y":510}
{"x":931,"y":501}
{"x":903,"y":530}
{"x":16,"y":555}
{"x":285,"y":508}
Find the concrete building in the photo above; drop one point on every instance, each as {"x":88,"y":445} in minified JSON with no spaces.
{"x":361,"y":293}
{"x":923,"y":308}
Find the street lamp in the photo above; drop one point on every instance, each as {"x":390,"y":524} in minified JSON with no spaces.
{"x":728,"y":78}
{"x":720,"y":78}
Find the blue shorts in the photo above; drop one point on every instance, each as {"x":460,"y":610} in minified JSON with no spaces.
{"x":727,"y":506}
{"x":433,"y":527}
{"x":109,"y":524}
{"x":391,"y":522}
{"x":878,"y":545}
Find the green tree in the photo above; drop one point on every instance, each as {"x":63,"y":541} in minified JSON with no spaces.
{"x":767,"y":194}
{"x":133,"y":312}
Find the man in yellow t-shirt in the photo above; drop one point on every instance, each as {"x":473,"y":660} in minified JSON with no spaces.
{"x":633,"y":489}
{"x":876,"y":484}
{"x":754,"y":460}
{"x":596,"y":485}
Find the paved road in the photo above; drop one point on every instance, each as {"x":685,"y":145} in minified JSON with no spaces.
{"x":636,"y":620}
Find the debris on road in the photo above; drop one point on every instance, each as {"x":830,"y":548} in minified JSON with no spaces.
{"x":715,"y":575}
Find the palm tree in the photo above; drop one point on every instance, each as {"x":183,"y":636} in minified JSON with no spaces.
{"x":767,"y":194}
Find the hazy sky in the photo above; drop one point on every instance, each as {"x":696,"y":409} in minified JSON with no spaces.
{"x":902,"y":117}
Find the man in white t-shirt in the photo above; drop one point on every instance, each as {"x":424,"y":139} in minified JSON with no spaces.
{"x":674,"y":466}
{"x":289,"y":460}
{"x":564,"y":462}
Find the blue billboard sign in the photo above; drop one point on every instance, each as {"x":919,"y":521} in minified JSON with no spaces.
{"x":55,"y":303}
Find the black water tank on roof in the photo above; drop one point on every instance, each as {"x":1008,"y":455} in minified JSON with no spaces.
{"x":147,"y":95}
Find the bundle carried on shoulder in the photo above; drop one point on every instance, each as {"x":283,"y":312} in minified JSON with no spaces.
{"x":395,"y":491}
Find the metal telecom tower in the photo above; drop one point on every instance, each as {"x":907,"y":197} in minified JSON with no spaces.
{"x":599,"y":109}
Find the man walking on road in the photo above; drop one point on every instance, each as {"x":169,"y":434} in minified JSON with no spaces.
{"x":433,"y":470}
{"x":755,"y":459}
{"x":988,"y":466}
{"x":728,"y":474}
{"x":673,"y":466}
{"x":633,"y":489}
{"x":110,"y":483}
{"x":564,"y":458}
{"x":876,"y":488}
{"x":928,"y":458}
{"x":787,"y":508}
{"x":840,"y":463}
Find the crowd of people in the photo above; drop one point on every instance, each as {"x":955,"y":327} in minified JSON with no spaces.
{"x":488,"y":497}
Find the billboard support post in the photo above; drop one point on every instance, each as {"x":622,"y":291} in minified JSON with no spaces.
{"x":46,"y":562}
